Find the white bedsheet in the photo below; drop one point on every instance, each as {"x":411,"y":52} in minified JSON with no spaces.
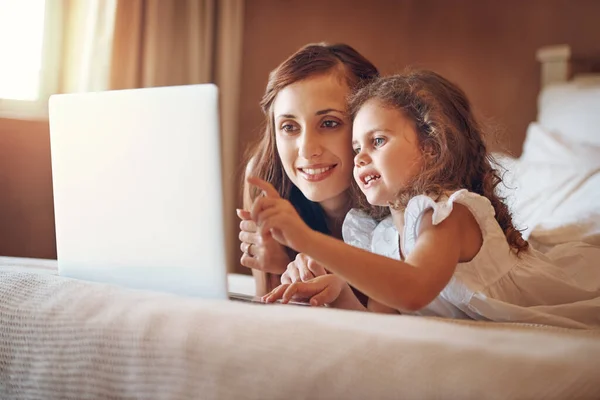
{"x":67,"y":339}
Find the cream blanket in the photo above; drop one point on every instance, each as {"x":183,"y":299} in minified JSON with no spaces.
{"x":66,"y":339}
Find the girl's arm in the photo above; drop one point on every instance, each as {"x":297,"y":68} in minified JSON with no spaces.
{"x":406,"y":286}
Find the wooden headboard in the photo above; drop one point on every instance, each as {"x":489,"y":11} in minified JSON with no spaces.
{"x":559,"y":65}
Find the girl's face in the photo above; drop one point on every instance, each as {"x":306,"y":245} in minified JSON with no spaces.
{"x":313,"y":136}
{"x":387,"y":152}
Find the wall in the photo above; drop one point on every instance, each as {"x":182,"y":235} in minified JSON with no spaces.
{"x":26,"y":206}
{"x":486,"y":46}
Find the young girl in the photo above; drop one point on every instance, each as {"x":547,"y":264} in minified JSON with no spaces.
{"x":449,"y":247}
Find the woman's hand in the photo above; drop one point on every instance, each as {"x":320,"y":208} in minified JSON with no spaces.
{"x":303,"y":268}
{"x":263,"y":254}
{"x":324,"y":289}
{"x":278,"y":218}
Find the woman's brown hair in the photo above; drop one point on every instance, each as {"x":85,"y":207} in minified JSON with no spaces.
{"x":451,"y":141}
{"x":309,"y":61}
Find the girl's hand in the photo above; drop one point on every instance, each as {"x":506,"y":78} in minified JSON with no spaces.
{"x":303,"y":268}
{"x":263,"y":254}
{"x":324,"y":289}
{"x":278,"y":217}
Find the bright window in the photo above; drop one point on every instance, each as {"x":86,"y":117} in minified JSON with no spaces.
{"x":21,"y":48}
{"x":49,"y":47}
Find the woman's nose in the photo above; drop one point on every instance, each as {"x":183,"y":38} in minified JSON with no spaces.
{"x":310,"y":145}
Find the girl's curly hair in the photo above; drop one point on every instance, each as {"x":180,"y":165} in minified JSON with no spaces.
{"x":450,"y":138}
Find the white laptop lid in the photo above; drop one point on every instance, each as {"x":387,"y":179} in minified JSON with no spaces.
{"x":137,"y":188}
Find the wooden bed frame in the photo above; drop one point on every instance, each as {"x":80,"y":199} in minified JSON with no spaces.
{"x":558,"y":65}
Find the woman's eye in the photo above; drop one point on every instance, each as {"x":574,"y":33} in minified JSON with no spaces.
{"x":288,"y":128}
{"x":356,"y":150}
{"x":378,"y":142}
{"x":330,"y":124}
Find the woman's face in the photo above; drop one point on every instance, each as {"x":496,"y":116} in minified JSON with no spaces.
{"x":313,"y":134}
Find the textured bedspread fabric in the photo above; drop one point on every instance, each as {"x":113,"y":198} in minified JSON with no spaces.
{"x":67,"y":339}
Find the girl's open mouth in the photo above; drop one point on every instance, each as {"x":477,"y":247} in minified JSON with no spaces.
{"x":369,"y":179}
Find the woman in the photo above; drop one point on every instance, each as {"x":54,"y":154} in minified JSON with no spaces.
{"x":305,"y":151}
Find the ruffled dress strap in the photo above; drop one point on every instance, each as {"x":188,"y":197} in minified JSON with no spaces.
{"x":357,"y":229}
{"x":360,"y":230}
{"x":478,"y":205}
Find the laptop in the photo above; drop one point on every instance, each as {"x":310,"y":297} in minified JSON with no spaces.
{"x":138,"y":193}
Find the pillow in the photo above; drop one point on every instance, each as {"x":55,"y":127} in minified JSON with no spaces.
{"x":552,"y":189}
{"x":572,"y":110}
{"x":545,"y":146}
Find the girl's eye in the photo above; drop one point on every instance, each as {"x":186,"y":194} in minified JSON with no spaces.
{"x":356,"y":150}
{"x":378,"y":142}
{"x":330,"y":124}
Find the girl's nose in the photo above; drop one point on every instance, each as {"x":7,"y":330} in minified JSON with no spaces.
{"x":361,"y":159}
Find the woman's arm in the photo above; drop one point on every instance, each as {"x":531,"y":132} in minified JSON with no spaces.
{"x":262,"y":280}
{"x":324,"y":289}
{"x":348,"y":301}
{"x":271,"y":256}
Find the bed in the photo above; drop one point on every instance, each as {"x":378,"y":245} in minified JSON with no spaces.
{"x":67,"y":339}
{"x":553,"y":188}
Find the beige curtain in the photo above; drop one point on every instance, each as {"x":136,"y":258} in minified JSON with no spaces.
{"x":178,"y":42}
{"x":85,"y":45}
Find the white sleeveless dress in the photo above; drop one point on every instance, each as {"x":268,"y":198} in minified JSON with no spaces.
{"x":560,"y":287}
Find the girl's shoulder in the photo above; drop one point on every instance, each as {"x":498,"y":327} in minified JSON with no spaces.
{"x":479,"y":206}
{"x":358,"y":228}
{"x":381,"y":237}
{"x":365,"y":232}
